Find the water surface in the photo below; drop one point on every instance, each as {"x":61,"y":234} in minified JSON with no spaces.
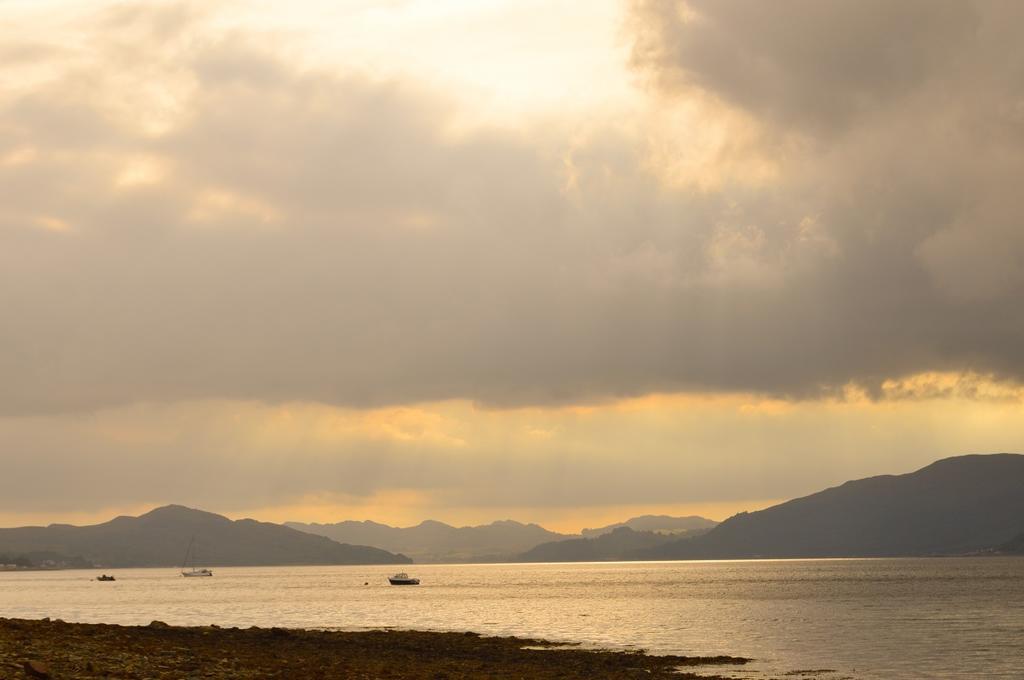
{"x":955,"y":617}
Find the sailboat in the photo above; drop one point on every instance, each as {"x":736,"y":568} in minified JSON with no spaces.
{"x":193,"y":571}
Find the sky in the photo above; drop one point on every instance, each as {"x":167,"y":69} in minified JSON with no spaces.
{"x":470,"y":260}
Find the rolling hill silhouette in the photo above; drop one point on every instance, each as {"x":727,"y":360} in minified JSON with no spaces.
{"x":953,"y":506}
{"x":160,"y":537}
{"x":432,"y":541}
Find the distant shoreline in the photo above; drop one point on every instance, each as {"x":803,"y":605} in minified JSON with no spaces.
{"x":829,"y":558}
{"x":57,"y":649}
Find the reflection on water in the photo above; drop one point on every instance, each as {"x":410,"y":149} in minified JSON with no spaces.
{"x":955,"y":617}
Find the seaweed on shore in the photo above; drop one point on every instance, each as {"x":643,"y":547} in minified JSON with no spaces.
{"x":55,"y":649}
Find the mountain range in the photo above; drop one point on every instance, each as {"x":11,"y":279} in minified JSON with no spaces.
{"x":617,"y":544}
{"x":160,"y":538}
{"x":963,"y":505}
{"x":433,"y":541}
{"x":504,"y":540}
{"x":662,"y":524}
{"x":953,"y":506}
{"x":619,"y":541}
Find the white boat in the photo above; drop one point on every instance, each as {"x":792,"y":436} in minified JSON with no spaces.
{"x":197,"y":572}
{"x":190,"y":552}
{"x":403,"y":579}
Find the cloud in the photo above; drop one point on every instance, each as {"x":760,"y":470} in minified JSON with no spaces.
{"x":822,"y":66}
{"x":900,"y":128}
{"x":236,"y":225}
{"x":452,"y":459}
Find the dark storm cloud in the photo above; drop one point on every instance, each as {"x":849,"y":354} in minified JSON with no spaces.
{"x":905,"y":122}
{"x":314,"y":235}
{"x":817,"y":64}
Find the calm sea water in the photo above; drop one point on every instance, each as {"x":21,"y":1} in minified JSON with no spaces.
{"x":956,"y":617}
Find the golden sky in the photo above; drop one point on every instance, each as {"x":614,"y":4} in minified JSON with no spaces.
{"x":552,"y":261}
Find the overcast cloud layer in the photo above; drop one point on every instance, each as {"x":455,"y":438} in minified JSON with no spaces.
{"x":244,"y":276}
{"x":186,"y":214}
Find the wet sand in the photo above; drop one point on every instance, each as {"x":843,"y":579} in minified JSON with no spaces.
{"x":55,"y":649}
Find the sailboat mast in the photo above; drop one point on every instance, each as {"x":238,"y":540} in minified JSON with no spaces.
{"x":188,"y":550}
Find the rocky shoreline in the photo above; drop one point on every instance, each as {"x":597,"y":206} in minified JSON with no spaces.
{"x":56,"y":649}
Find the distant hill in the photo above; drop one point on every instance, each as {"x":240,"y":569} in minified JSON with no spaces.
{"x":160,"y":538}
{"x":432,"y":541}
{"x":663,"y":524}
{"x":953,"y":506}
{"x":614,"y":545}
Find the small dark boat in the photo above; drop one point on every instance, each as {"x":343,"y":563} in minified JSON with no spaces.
{"x":403,"y":579}
{"x":104,"y":577}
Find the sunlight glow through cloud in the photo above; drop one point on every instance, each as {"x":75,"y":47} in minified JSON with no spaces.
{"x":480,"y":258}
